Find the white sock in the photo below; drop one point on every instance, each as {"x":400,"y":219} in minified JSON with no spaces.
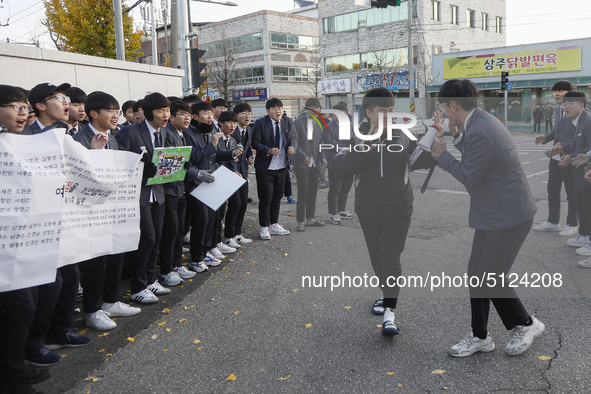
{"x":389,"y":315}
{"x":106,"y":305}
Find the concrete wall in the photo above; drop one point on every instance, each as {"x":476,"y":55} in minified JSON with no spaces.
{"x":28,"y":66}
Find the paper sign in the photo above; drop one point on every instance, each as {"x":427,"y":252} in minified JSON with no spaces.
{"x":170,"y":164}
{"x":216,"y":193}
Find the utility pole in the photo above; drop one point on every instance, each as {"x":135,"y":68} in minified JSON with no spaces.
{"x":154,"y":37}
{"x":175,"y":58}
{"x":118,"y":19}
{"x":411,"y":66}
{"x":183,"y":31}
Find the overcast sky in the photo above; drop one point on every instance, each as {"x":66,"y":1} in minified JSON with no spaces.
{"x":528,"y":21}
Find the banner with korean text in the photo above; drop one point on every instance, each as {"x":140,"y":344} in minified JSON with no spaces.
{"x":517,"y":63}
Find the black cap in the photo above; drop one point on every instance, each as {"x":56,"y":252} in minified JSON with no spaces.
{"x":43,"y":90}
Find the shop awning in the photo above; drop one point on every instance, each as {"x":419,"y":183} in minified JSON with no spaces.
{"x":534,"y":83}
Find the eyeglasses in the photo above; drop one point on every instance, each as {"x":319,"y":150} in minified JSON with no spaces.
{"x":113,"y":112}
{"x":568,"y":103}
{"x":18,"y":108}
{"x":59,"y":98}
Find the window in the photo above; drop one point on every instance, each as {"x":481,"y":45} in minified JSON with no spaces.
{"x":470,"y":16}
{"x":368,"y":17}
{"x":484,"y":21}
{"x":390,"y":58}
{"x":435,"y":15}
{"x":290,"y":41}
{"x":294,"y":74}
{"x":233,"y":45}
{"x":498,"y":24}
{"x":455,"y":13}
{"x":247,"y":75}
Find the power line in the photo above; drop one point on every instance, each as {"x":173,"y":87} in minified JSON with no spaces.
{"x":20,"y":12}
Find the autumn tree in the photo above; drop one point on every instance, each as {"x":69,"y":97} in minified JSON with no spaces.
{"x":221,"y":73}
{"x":87,"y":27}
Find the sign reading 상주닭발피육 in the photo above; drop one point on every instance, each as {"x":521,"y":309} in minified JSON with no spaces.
{"x":517,"y":63}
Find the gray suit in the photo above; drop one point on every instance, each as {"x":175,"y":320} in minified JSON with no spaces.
{"x":582,"y":144}
{"x":501,"y":211}
{"x":492,"y":174}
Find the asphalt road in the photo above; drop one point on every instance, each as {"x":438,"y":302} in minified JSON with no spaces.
{"x":250,"y":325}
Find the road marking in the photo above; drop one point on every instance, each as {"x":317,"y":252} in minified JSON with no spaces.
{"x":451,"y":191}
{"x":544,"y":158}
{"x":544,"y":182}
{"x":421,"y":171}
{"x":526,"y":162}
{"x":537,"y":173}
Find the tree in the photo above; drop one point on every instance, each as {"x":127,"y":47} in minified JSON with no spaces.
{"x":87,"y":27}
{"x":221,"y":74}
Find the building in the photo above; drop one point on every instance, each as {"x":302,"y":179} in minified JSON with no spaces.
{"x":532,"y":68}
{"x":261,"y":55}
{"x":363,"y":47}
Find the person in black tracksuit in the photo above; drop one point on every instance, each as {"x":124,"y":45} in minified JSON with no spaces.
{"x":383,"y":196}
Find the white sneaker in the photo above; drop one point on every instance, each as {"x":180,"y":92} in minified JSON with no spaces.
{"x":185,"y":250}
{"x":144,"y":297}
{"x":276,"y":229}
{"x":388,"y":327}
{"x":523,"y":337}
{"x":216,"y":253}
{"x":158,"y":289}
{"x":547,"y":226}
{"x":187,"y":238}
{"x":231,"y":242}
{"x":120,"y":309}
{"x":568,"y":231}
{"x":471,"y":345}
{"x":584,"y":250}
{"x":335,"y":219}
{"x":225,"y":248}
{"x":585,"y":263}
{"x":100,"y":321}
{"x":346,"y":215}
{"x":198,"y":267}
{"x":242,"y":240}
{"x":210,"y":260}
{"x":170,"y":279}
{"x":184,"y":273}
{"x":578,"y":241}
{"x":264,"y":233}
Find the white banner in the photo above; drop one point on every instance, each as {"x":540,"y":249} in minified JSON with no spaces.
{"x":61,"y":203}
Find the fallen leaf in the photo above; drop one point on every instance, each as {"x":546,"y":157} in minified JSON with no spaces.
{"x":248,"y":273}
{"x":310,"y":243}
{"x":286,"y":377}
{"x":390,"y":373}
{"x":295,"y":290}
{"x":93,"y":379}
{"x":154,"y":336}
{"x":186,"y":307}
{"x":190,"y":280}
{"x":399,"y":385}
{"x":182,"y":320}
{"x":226,"y":276}
{"x":544,"y":358}
{"x":168,"y":330}
{"x":216,"y":283}
{"x":82,"y":332}
{"x":119,"y":364}
{"x":225,"y":268}
{"x":347,"y":307}
{"x":308,"y":325}
{"x":232,"y":377}
{"x":109,"y":355}
{"x":439,"y":372}
{"x":445,"y":388}
{"x":250,"y":225}
{"x":130,"y":339}
{"x":104,"y":334}
{"x":164,"y":302}
{"x":289,"y":214}
{"x":165,"y":310}
{"x":161,"y":324}
{"x":253,"y":262}
{"x":78,"y":319}
{"x":284,"y":254}
{"x":63,"y":355}
{"x":193,"y":306}
{"x":181,"y":286}
{"x":237,"y":312}
{"x":164,"y":350}
{"x":102,"y":350}
{"x":230,"y":260}
{"x":378,"y":325}
{"x":195,"y":341}
{"x":200,"y":348}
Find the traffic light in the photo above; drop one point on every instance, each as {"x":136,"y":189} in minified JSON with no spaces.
{"x":197,"y":68}
{"x":504,"y":79}
{"x":385,"y":3}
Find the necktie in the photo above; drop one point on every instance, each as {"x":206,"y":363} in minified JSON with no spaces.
{"x":228,"y":143}
{"x":157,"y":142}
{"x":244,"y":137}
{"x":424,"y":187}
{"x":276,"y":143}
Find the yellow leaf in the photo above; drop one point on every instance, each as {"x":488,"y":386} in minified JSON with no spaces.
{"x":216,"y":283}
{"x":196,"y":341}
{"x":193,"y":306}
{"x":378,"y":325}
{"x":154,"y":336}
{"x":165,"y":310}
{"x":232,"y":377}
{"x":102,"y":350}
{"x":308,"y":325}
{"x":162,"y":324}
{"x":286,"y":377}
{"x":190,"y":280}
{"x":225,"y":268}
{"x":310,"y":243}
{"x":130,"y":339}
{"x":230,"y":260}
{"x":295,"y":290}
{"x":168,"y":330}
{"x":82,"y":332}
{"x":445,"y":388}
{"x":119,"y":364}
{"x":289,"y":214}
{"x":186,"y":307}
{"x":390,"y":373}
{"x":104,"y":334}
{"x":250,"y":225}
{"x":237,"y":312}
{"x":92,"y":378}
{"x":284,"y":254}
{"x":181,"y":286}
{"x":182,"y":320}
{"x":226,"y":276}
{"x":164,"y":350}
{"x":399,"y":385}
{"x":439,"y":372}
{"x":248,"y":273}
{"x":200,"y":348}
{"x":253,"y":262}
{"x":164,"y":302}
{"x":78,"y":319}
{"x":544,"y":358}
{"x":347,"y":307}
{"x":108,"y":355}
{"x":64,"y":356}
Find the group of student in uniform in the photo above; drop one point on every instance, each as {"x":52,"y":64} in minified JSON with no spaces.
{"x":569,"y":155}
{"x":38,"y":320}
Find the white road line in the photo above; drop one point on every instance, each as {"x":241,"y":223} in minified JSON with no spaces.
{"x":526,"y":162}
{"x":537,"y":173}
{"x":451,"y":191}
{"x":544,"y":158}
{"x":421,"y":171}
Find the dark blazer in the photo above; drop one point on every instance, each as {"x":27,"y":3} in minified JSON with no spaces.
{"x":86,"y":135}
{"x":202,"y":156}
{"x":34,"y":128}
{"x":132,"y":139}
{"x":225,"y":154}
{"x":263,"y":136}
{"x":307,"y":147}
{"x":173,"y":138}
{"x":563,"y":131}
{"x":491,"y":171}
{"x":581,"y":143}
{"x":246,"y":143}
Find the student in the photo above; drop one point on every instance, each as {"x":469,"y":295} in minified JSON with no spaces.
{"x":191,"y":99}
{"x":17,"y":307}
{"x":229,"y":153}
{"x":538,"y":115}
{"x":383,"y":197}
{"x":573,"y":159}
{"x":218,"y":106}
{"x":101,"y":275}
{"x":172,"y":271}
{"x":562,"y":135}
{"x":287,"y":191}
{"x":272,"y":139}
{"x":148,"y":134}
{"x":128,"y":114}
{"x":501,"y":212}
{"x":307,"y":160}
{"x":548,"y":115}
{"x":138,"y":111}
{"x":338,"y":190}
{"x":51,"y":106}
{"x":243,"y":135}
{"x":76,"y":113}
{"x":200,"y":137}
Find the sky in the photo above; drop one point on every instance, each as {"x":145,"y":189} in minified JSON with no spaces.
{"x":528,"y":21}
